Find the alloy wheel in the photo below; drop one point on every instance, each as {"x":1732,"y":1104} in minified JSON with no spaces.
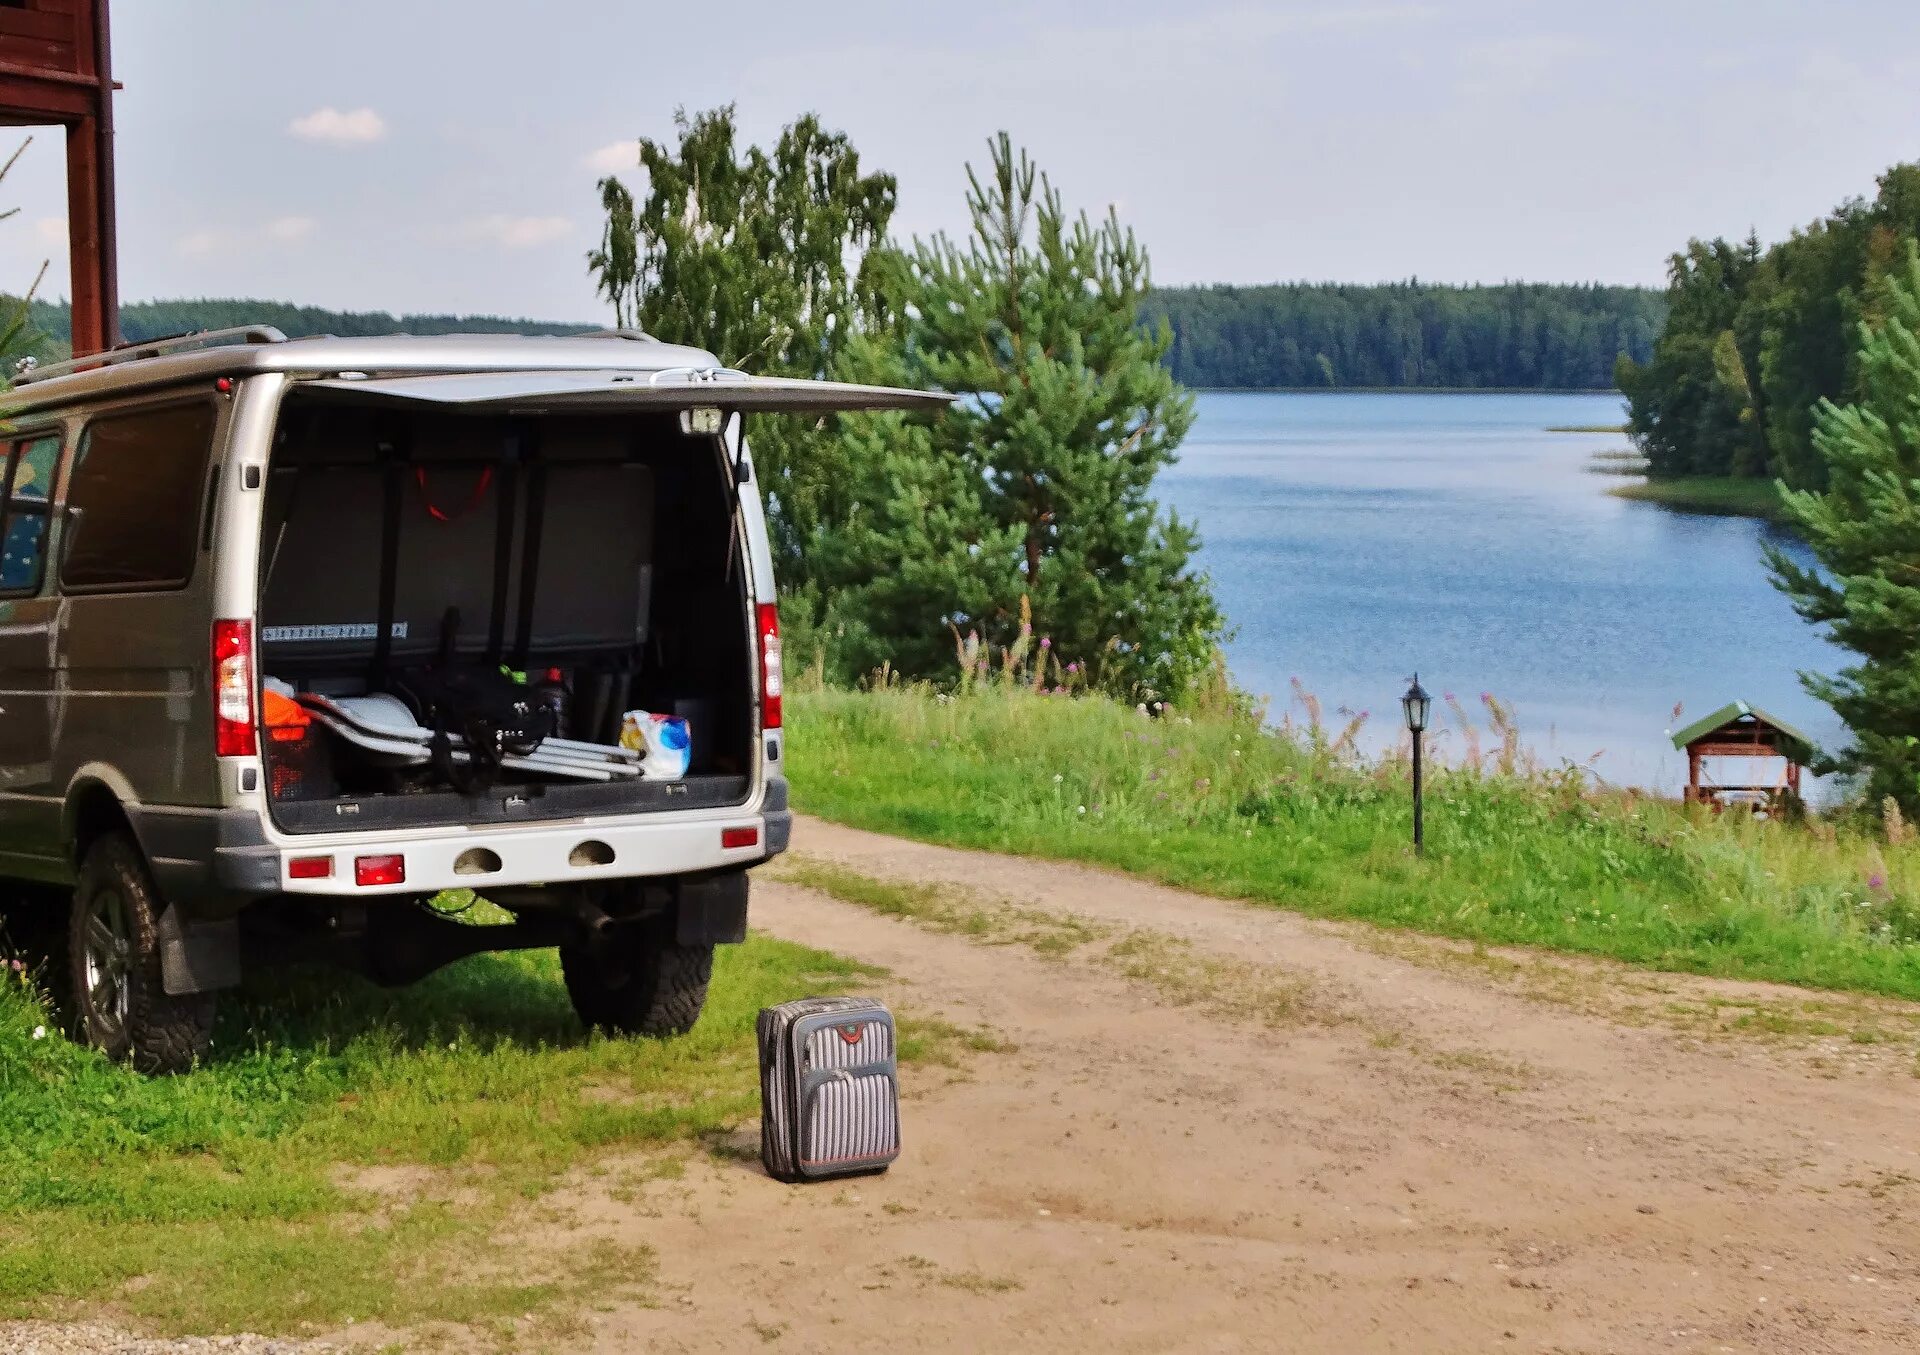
{"x":108,"y":942}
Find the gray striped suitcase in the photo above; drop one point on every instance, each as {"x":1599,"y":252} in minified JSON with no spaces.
{"x":829,"y":1092}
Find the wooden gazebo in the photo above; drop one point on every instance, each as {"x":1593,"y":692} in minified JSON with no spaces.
{"x":1740,"y":730}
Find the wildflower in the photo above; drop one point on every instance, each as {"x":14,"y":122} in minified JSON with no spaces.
{"x":1154,"y":774}
{"x":1876,"y":881}
{"x":935,"y":743}
{"x":1079,"y":809}
{"x":1073,"y":667}
{"x":39,"y":1032}
{"x":1057,"y":778}
{"x":1202,"y":783}
{"x":1046,"y":642}
{"x":1161,"y":796}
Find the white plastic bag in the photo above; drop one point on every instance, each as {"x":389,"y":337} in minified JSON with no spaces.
{"x":662,"y":739}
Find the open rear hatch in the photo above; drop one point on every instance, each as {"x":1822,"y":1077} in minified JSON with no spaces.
{"x":470,"y":585}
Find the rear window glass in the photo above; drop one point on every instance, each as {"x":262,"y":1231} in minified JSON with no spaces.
{"x":136,"y":482}
{"x":23,"y":534}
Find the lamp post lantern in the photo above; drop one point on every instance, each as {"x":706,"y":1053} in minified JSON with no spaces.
{"x":1416,"y":703}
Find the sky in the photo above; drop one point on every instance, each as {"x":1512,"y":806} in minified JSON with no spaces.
{"x":402,"y":155}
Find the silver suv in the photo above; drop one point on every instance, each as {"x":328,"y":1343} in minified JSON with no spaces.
{"x":296,"y":636}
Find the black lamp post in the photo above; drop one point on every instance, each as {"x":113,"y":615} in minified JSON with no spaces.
{"x":1416,"y":703}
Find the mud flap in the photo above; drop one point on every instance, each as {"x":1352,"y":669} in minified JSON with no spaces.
{"x":198,"y":956}
{"x":711,"y":910}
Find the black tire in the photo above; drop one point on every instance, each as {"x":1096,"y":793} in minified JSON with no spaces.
{"x":649,"y":986}
{"x":117,"y":1002}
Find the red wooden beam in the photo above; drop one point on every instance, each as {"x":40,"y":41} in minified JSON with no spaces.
{"x":56,"y":67}
{"x":103,"y":257}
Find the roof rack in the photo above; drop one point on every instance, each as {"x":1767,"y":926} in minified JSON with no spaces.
{"x":29,"y":371}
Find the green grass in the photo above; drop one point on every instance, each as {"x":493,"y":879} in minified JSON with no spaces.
{"x":1223,"y":805}
{"x":1718,"y":495}
{"x":352,"y":1153}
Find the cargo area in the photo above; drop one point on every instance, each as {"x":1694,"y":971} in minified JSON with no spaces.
{"x":457,"y":609}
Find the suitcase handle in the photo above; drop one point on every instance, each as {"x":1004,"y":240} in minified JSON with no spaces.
{"x":814,"y":1078}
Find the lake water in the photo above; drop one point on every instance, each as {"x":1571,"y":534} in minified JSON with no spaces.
{"x":1354,"y":538}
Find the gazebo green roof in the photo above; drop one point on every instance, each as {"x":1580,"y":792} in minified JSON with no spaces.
{"x":1790,"y":741}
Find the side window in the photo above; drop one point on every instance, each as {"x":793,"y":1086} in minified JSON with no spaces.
{"x":135,"y":484}
{"x":23,"y":536}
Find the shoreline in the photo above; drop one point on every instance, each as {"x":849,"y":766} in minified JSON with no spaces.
{"x":1710,"y":496}
{"x":1403,"y":390}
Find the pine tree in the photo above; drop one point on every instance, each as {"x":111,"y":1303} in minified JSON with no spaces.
{"x":1864,"y":531}
{"x":1068,"y":418}
{"x":918,"y":561}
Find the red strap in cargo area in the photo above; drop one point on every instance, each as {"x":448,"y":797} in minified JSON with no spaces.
{"x":473,"y":500}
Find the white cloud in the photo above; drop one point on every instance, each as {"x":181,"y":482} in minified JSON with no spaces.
{"x":514,"y":232}
{"x":245,"y":239}
{"x":613,"y":157}
{"x":329,"y":125}
{"x":199,"y":244}
{"x":290,"y":230}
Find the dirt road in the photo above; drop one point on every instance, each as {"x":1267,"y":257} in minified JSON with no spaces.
{"x":1278,"y":1135}
{"x":1193,"y":1125}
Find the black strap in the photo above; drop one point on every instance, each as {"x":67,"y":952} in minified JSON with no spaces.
{"x":530,"y":560}
{"x":482,"y":767}
{"x":395,"y":472}
{"x":449,"y":641}
{"x":503,"y":548}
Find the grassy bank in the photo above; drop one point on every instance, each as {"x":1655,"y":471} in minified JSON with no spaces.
{"x":1224,"y":805}
{"x":357,"y":1154}
{"x":1717,"y":495}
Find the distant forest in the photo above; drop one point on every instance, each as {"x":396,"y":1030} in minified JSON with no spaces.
{"x":145,"y":320}
{"x":1531,"y":336}
{"x":1528,"y":336}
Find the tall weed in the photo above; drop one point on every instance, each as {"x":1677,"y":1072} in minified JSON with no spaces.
{"x":1288,"y":810}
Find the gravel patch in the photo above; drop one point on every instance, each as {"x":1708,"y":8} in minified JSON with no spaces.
{"x":59,"y":1338}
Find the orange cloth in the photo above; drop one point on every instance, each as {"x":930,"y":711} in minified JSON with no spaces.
{"x":280,"y":712}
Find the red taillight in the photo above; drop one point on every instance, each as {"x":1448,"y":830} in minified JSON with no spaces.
{"x":233,"y":734}
{"x":310,"y":868}
{"x":379,"y":870}
{"x":769,"y":616}
{"x":739,"y":837}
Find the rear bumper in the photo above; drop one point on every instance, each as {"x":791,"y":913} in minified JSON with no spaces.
{"x":215,"y":862}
